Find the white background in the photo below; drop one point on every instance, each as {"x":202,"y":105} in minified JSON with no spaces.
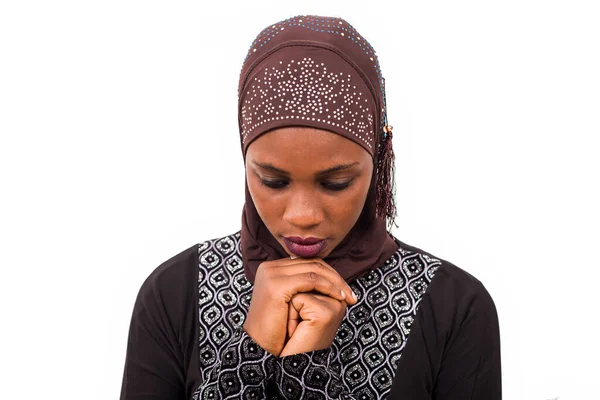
{"x":119,"y":149}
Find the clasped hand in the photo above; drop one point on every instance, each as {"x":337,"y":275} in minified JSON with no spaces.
{"x":297,"y":305}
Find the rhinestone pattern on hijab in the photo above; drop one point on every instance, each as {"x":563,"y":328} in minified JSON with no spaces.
{"x":319,"y":72}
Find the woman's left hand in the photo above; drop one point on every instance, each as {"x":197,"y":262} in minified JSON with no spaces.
{"x":313,"y":321}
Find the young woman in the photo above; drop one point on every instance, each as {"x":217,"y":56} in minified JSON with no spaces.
{"x":313,"y":298}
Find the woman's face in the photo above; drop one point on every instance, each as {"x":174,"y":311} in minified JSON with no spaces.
{"x":308,"y":183}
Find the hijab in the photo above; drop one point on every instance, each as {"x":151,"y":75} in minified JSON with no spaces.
{"x":319,"y":72}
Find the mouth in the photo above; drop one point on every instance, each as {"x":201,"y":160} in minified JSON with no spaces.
{"x":306,"y":248}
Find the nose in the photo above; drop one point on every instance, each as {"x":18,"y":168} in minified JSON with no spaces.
{"x":303,"y":210}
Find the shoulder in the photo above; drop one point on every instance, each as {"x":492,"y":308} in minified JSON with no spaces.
{"x":170,"y":287}
{"x":172,"y":271}
{"x":182,"y":269}
{"x":450,"y":285}
{"x":456,"y":328}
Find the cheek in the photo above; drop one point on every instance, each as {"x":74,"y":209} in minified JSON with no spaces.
{"x":346,"y":207}
{"x":267,"y":205}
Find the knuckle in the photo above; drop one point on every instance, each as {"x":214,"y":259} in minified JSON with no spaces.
{"x":312,"y":276}
{"x":262,"y":267}
{"x":318,"y":265}
{"x":267,"y":272}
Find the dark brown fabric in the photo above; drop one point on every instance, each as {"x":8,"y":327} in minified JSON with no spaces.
{"x":317,"y":72}
{"x":452,"y":352}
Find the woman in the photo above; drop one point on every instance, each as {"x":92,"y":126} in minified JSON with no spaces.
{"x":313,"y":298}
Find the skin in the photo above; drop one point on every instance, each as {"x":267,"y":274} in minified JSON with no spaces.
{"x":306,"y":298}
{"x":305,"y":207}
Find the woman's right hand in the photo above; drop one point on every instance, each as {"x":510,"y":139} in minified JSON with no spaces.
{"x":276,"y":282}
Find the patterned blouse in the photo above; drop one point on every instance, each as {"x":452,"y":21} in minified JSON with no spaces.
{"x":422,"y":329}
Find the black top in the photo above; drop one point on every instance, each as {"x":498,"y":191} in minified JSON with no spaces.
{"x":422,"y":329}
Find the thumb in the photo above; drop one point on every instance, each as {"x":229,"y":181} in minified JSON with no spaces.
{"x":293,"y":320}
{"x":308,"y":305}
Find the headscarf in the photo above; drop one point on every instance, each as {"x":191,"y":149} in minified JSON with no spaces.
{"x":319,"y":72}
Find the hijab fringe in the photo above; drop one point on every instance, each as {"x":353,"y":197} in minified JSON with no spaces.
{"x":385,"y":205}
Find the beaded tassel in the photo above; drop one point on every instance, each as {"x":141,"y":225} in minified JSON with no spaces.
{"x":385,"y":206}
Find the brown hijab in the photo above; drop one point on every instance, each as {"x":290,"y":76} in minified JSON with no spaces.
{"x":319,"y":72}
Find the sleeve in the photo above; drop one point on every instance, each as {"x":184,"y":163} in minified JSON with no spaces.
{"x":311,"y":375}
{"x":153,"y":363}
{"x":453,"y":350}
{"x":161,"y":332}
{"x":470,"y":365}
{"x":163,"y":344}
{"x":243,"y":370}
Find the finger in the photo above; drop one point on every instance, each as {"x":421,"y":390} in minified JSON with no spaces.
{"x":306,"y":282}
{"x":311,"y":306}
{"x":283,"y":262}
{"x":283,"y":266}
{"x":351,"y":297}
{"x":316,"y":298}
{"x":293,"y":320}
{"x":320,"y":268}
{"x":296,"y":260}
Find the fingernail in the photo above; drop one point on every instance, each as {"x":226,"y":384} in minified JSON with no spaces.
{"x":293,"y":257}
{"x":355,"y":296}
{"x":343,"y":294}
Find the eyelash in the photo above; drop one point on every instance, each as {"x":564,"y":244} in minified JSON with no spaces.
{"x":280,"y":184}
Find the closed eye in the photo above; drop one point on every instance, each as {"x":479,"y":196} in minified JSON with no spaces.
{"x":274,"y":184}
{"x":279,"y":184}
{"x":336,"y":187}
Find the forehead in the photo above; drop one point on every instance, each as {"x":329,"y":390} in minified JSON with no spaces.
{"x":291,"y":145}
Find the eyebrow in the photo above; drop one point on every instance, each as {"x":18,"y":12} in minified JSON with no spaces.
{"x":273,"y":168}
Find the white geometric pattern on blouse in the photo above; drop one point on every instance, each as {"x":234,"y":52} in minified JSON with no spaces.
{"x":362,"y":360}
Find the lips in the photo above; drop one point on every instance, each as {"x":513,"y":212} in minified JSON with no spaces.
{"x":307,"y":248}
